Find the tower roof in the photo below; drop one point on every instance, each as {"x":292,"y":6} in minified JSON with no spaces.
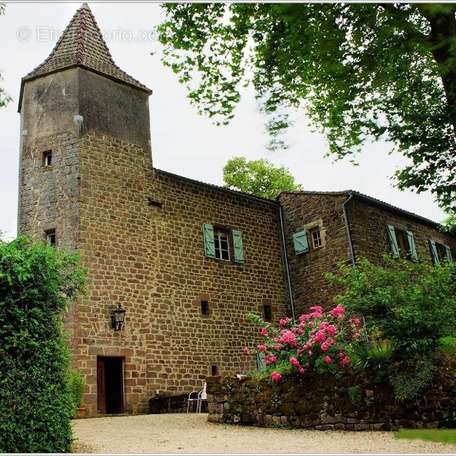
{"x":82,"y":45}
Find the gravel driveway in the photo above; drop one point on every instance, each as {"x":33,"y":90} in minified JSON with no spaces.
{"x":192,"y":434}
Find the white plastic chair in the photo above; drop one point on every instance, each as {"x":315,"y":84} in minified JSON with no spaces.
{"x":199,"y":397}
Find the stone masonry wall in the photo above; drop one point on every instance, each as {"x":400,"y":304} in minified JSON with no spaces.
{"x":301,"y":211}
{"x":368,"y":231}
{"x":324,"y":402}
{"x":151,"y":259}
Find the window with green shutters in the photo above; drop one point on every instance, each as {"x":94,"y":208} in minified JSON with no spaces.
{"x":300,"y":242}
{"x":439,"y":252}
{"x":402,"y":243}
{"x":223,"y":244}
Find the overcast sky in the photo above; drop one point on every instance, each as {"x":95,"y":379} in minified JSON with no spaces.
{"x":182,"y":141}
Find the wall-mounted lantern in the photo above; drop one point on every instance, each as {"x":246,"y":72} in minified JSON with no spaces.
{"x":118,"y":318}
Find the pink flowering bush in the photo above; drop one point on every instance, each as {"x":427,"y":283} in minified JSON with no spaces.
{"x":317,"y":341}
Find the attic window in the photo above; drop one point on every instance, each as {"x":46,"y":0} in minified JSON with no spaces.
{"x":47,"y":158}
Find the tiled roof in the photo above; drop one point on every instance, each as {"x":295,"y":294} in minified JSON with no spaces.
{"x":82,"y":44}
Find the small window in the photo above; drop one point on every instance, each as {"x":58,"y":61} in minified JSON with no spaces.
{"x":402,"y":243}
{"x":222,"y":244}
{"x":47,"y":158}
{"x":51,"y":237}
{"x":205,"y":308}
{"x":315,"y":235}
{"x":439,"y":252}
{"x":267,"y":312}
{"x":214,"y":370}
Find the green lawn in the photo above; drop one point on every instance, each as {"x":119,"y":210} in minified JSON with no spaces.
{"x":431,"y":435}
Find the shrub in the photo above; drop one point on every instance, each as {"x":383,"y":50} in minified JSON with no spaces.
{"x":36,"y":281}
{"x":409,"y":308}
{"x":316,"y":341}
{"x":76,"y":385}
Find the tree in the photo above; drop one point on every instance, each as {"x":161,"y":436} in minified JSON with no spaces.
{"x":36,"y":283}
{"x":360,"y":70}
{"x":258,"y":177}
{"x":409,"y":308}
{"x":4,"y":97}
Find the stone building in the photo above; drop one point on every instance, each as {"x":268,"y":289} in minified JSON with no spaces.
{"x":185,"y":259}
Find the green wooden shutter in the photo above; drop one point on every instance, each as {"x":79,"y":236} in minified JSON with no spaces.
{"x":433,"y":249}
{"x":411,"y":242}
{"x":208,"y":236}
{"x":301,"y":245}
{"x":393,"y":241}
{"x":448,"y":253}
{"x":238,"y":248}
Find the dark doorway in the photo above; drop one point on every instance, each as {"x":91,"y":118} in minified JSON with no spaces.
{"x":110,"y":384}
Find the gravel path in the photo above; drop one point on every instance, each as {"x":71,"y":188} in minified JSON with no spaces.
{"x":192,"y":433}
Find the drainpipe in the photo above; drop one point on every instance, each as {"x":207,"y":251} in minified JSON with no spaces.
{"x":347,"y":228}
{"x":287,"y":267}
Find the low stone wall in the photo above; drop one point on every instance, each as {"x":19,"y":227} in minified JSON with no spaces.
{"x":324,"y":402}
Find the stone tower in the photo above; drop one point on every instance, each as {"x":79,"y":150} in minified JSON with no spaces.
{"x":85,"y":169}
{"x":187,"y":260}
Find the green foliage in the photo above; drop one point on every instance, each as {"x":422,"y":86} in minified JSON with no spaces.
{"x":409,"y":307}
{"x":449,"y":223}
{"x":76,"y":384}
{"x":430,"y":435}
{"x":409,"y":378}
{"x":258,"y":177}
{"x":36,"y":282}
{"x":361,"y":71}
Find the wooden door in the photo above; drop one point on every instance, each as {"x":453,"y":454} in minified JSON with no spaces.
{"x":101,"y":386}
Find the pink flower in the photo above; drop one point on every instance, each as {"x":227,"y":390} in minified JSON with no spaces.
{"x":327,"y":359}
{"x":331,"y":330}
{"x":284,"y":321}
{"x":301,"y":371}
{"x":355,"y":321}
{"x":324,"y":346}
{"x":311,"y":324}
{"x":310,"y":352}
{"x":317,"y":311}
{"x":262,"y":348}
{"x":289,"y":337}
{"x":294,"y":361}
{"x":276,"y":377}
{"x":269,"y":359}
{"x":246,"y":350}
{"x":304,"y":317}
{"x":319,"y":336}
{"x":338,"y":311}
{"x":340,"y":355}
{"x":346,"y":360}
{"x":300,"y":331}
{"x":264,"y":332}
{"x":330,"y":341}
{"x":323,"y":325}
{"x":357,"y":335}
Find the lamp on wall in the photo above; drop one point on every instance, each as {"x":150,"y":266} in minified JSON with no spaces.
{"x":118,"y":319}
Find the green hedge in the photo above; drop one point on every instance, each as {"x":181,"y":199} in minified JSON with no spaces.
{"x":36,"y":282}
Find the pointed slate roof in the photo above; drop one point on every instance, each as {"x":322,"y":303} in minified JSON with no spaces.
{"x":82,"y":45}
